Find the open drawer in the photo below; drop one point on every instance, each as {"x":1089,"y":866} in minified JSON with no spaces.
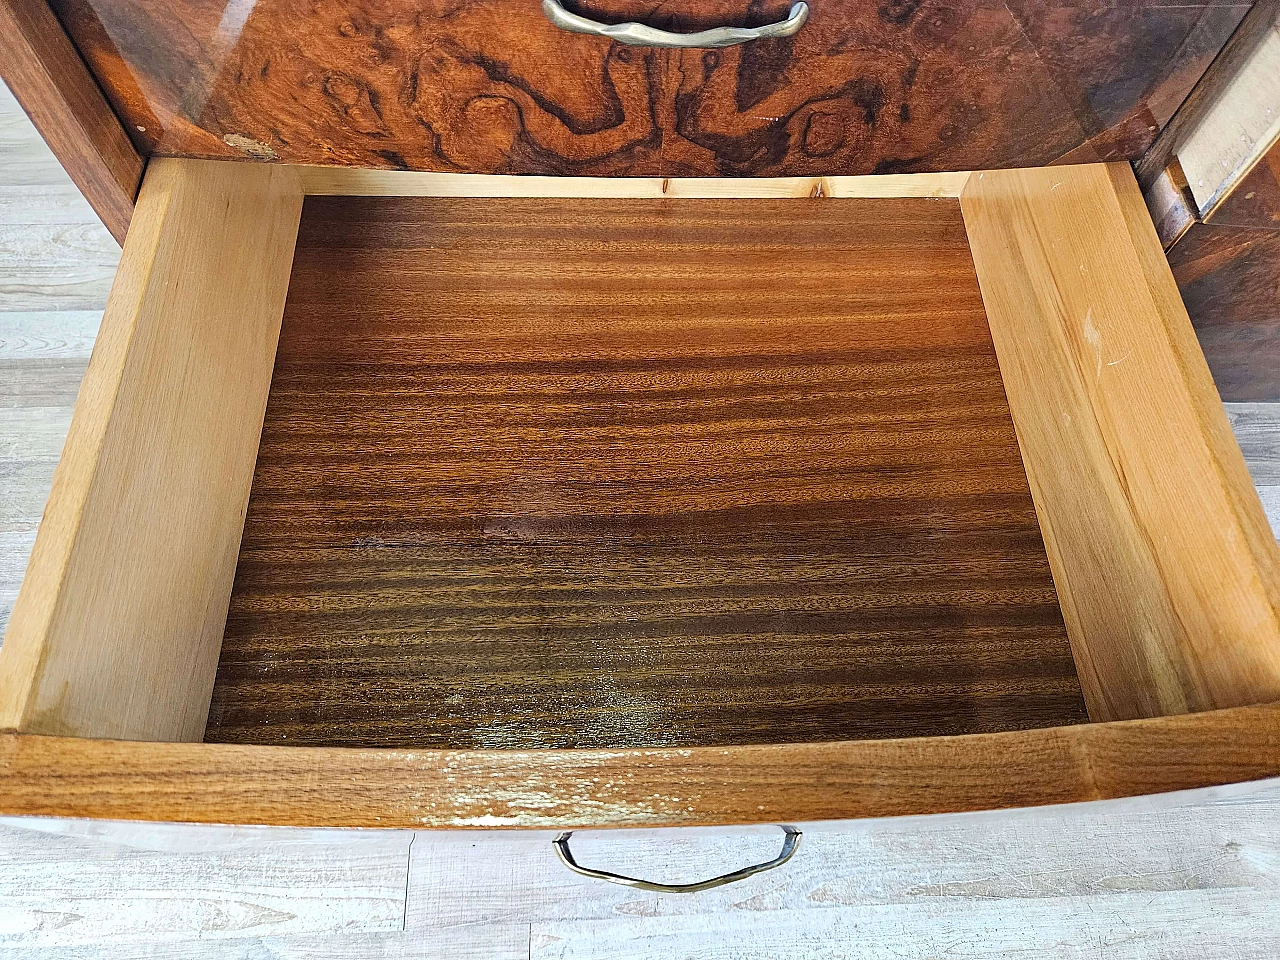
{"x":481,"y":501}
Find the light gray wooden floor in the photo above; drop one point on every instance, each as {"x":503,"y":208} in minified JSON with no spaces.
{"x":1198,"y":879}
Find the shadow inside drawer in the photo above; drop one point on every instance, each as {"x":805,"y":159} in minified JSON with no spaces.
{"x":613,"y":473}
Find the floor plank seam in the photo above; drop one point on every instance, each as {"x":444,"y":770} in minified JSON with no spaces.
{"x":408,"y":875}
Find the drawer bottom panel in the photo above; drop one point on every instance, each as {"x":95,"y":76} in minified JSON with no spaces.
{"x":616,"y":473}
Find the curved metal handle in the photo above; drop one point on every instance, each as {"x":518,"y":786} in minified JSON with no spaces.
{"x":789,"y":844}
{"x":640,"y":35}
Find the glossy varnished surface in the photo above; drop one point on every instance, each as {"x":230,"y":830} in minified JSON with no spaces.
{"x":602,"y":473}
{"x":1228,"y":270}
{"x":46,"y":74}
{"x":867,"y":86}
{"x":787,"y":783}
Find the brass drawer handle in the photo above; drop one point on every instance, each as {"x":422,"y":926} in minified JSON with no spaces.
{"x":640,"y":35}
{"x":789,"y":844}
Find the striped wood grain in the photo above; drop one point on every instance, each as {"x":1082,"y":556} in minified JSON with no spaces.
{"x":607,"y":473}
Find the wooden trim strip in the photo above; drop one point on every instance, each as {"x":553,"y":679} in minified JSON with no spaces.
{"x":1237,"y":128}
{"x":55,"y":88}
{"x":1231,"y":118}
{"x":1225,"y":66}
{"x":1171,"y":205}
{"x":1166,"y":569}
{"x":118,"y":623}
{"x":358,"y":182}
{"x":333,"y":787}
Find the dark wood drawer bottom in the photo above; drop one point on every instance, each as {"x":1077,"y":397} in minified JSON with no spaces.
{"x":611,"y":473}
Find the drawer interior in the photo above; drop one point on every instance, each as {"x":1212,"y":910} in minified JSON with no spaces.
{"x":520,"y":464}
{"x":607,"y":473}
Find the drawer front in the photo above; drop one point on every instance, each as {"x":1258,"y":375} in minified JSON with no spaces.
{"x":867,"y":86}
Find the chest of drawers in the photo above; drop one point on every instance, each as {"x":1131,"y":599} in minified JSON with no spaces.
{"x":534,"y":416}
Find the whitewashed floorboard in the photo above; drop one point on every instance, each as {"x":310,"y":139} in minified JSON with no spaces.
{"x":488,"y":943}
{"x":57,"y":262}
{"x":54,"y":253}
{"x":60,"y":204}
{"x":24,"y":486}
{"x":179,"y":882}
{"x":1096,"y":850}
{"x":1270,"y":496}
{"x":33,"y":433}
{"x":65,"y":335}
{"x":27,"y":161}
{"x":1257,"y":429}
{"x":1177,"y":925}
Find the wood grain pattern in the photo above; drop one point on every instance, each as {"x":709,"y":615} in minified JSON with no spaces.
{"x":169,"y":881}
{"x":1056,"y":856}
{"x":672,"y":786}
{"x":45,"y":72}
{"x":1257,"y":429}
{"x":361,"y":182}
{"x":1255,"y":26}
{"x":1174,"y":925}
{"x":1230,"y":281}
{"x":1171,"y":205}
{"x":115,"y":630}
{"x":1203,"y":860}
{"x":1228,"y":271}
{"x":1164,"y":563}
{"x":1093,"y":867}
{"x":1237,"y":128}
{"x":549,"y":473}
{"x":489,"y":86}
{"x":1124,"y":67}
